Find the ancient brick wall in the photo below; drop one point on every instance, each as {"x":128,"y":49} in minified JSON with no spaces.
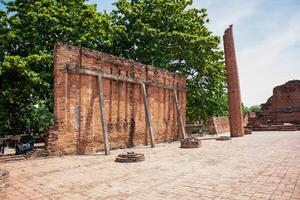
{"x":248,"y":117}
{"x":76,"y":103}
{"x":282,"y":107}
{"x":286,"y":96}
{"x":218,"y":125}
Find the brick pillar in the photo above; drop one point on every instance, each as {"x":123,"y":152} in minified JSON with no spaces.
{"x":234,"y":96}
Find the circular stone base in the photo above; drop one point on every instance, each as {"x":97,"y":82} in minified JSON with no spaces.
{"x":130,"y":157}
{"x":190,"y":143}
{"x":3,"y":180}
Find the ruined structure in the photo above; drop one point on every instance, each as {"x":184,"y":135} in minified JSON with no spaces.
{"x":130,"y":157}
{"x":281,"y":111}
{"x":134,"y":100}
{"x":190,"y":143}
{"x":234,"y":96}
{"x":218,"y":125}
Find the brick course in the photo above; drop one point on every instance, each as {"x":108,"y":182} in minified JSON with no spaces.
{"x":76,"y":103}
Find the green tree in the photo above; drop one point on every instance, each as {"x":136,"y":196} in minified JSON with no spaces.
{"x":255,"y":108}
{"x":28,"y":32}
{"x":165,"y":33}
{"x":245,"y":109}
{"x":35,"y":26}
{"x":25,"y":98}
{"x":170,"y":34}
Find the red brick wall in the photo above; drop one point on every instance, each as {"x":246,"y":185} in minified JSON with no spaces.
{"x":218,"y":125}
{"x":286,"y":96}
{"x":282,"y":107}
{"x":76,"y":103}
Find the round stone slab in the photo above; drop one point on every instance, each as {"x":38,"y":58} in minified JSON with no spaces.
{"x":190,"y":143}
{"x":130,"y":157}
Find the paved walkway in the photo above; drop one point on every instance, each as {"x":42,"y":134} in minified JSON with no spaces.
{"x":258,"y":166}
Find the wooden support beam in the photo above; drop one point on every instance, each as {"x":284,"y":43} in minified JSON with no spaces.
{"x":120,"y":78}
{"x":101,"y":75}
{"x":179,"y":114}
{"x":103,"y":115}
{"x":148,"y":115}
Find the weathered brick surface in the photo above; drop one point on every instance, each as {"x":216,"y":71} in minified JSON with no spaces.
{"x":218,"y":125}
{"x":282,"y":107}
{"x":76,"y":103}
{"x":234,"y":96}
{"x":284,"y":96}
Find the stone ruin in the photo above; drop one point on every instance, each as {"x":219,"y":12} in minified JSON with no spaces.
{"x":130,"y":157}
{"x":236,"y":121}
{"x":190,"y":142}
{"x":217,"y":125}
{"x":103,"y":102}
{"x":233,"y":84}
{"x":281,"y":111}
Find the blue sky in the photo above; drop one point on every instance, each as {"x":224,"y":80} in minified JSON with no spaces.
{"x":267,"y":39}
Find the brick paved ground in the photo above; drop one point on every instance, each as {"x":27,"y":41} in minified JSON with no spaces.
{"x":258,"y":166}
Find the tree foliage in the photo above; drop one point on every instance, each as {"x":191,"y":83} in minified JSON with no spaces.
{"x":170,"y":34}
{"x":29,"y":30}
{"x":165,"y":33}
{"x":255,"y":108}
{"x":25,"y":98}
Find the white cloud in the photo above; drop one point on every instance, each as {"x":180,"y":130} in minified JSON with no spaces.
{"x":267,"y":40}
{"x":266,"y":34}
{"x":224,"y":13}
{"x":263,"y":66}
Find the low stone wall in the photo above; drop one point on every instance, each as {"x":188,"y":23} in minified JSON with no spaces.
{"x":218,"y":125}
{"x":3,"y":180}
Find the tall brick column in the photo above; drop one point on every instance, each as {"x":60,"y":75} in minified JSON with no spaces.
{"x":234,"y":95}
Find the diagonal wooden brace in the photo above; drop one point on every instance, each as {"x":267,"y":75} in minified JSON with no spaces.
{"x":179,"y":114}
{"x":103,"y":116}
{"x":148,"y":115}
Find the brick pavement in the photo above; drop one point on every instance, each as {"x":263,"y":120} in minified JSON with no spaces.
{"x":260,"y":166}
